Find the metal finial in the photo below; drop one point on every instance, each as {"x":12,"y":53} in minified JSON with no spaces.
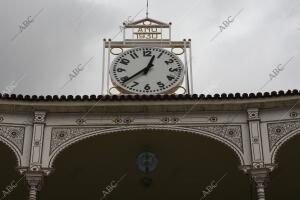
{"x":147,"y":13}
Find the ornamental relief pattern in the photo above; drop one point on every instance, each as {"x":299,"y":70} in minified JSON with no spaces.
{"x":59,"y":136}
{"x":276,"y":131}
{"x":233,"y":133}
{"x":14,"y":134}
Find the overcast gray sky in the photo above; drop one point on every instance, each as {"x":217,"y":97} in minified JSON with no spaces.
{"x":67,"y":33}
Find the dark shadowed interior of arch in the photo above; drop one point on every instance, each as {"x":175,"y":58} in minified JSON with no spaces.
{"x":285,"y":180}
{"x":9,"y":176}
{"x":187,"y":165}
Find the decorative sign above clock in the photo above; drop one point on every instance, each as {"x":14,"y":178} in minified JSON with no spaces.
{"x":148,"y":33}
{"x":147,"y":61}
{"x":147,"y":29}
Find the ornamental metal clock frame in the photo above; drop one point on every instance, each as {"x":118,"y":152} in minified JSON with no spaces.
{"x":146,"y":32}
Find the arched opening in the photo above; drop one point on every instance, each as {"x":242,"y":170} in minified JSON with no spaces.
{"x":12,"y":185}
{"x":284,"y":183}
{"x":188,"y":166}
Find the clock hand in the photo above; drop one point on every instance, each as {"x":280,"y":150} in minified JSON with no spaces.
{"x":134,"y":75}
{"x":150,"y":64}
{"x":145,"y":70}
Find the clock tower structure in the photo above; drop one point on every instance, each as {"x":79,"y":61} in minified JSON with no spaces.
{"x":147,"y":61}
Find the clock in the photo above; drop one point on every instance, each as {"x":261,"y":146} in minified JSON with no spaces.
{"x":147,"y":162}
{"x":147,"y":70}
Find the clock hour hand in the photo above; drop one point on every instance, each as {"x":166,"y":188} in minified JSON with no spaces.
{"x":150,"y":64}
{"x":145,"y":70}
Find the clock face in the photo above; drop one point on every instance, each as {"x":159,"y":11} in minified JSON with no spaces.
{"x":147,"y":70}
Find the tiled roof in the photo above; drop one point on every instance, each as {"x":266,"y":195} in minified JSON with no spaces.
{"x":148,"y":97}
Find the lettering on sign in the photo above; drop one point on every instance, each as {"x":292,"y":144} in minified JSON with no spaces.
{"x":147,"y":33}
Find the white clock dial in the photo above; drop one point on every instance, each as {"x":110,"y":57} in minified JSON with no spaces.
{"x":147,"y":70}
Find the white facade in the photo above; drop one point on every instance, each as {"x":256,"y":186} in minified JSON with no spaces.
{"x":37,"y":131}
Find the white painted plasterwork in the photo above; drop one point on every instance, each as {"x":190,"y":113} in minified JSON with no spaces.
{"x":230,"y":135}
{"x":254,"y":135}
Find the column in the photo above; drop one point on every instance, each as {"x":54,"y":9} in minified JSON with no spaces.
{"x":34,"y":180}
{"x":260,"y":178}
{"x":259,"y":170}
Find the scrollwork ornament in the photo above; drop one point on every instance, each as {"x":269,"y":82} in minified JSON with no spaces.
{"x":276,"y":131}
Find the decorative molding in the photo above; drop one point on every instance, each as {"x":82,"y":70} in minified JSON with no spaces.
{"x":253,"y":114}
{"x":123,"y":120}
{"x":293,"y":114}
{"x":63,"y":137}
{"x":1,"y":118}
{"x":170,"y":120}
{"x":80,"y":121}
{"x":213,"y":119}
{"x":39,"y":117}
{"x":59,"y":136}
{"x":276,"y":131}
{"x":255,"y":140}
{"x":14,"y":135}
{"x":257,"y":166}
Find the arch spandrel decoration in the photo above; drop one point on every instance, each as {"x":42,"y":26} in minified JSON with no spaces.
{"x":279,"y":133}
{"x":230,"y":135}
{"x":13,"y":137}
{"x":60,"y":136}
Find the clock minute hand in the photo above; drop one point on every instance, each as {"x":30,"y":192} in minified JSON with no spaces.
{"x":150,"y":64}
{"x":134,"y":75}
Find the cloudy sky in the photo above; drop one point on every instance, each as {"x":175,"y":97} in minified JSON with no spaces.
{"x":41,"y":42}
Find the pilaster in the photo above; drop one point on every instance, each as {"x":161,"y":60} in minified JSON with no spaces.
{"x":255,"y":138}
{"x":39,"y":121}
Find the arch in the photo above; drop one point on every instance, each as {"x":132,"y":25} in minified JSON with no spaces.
{"x":281,"y":142}
{"x":13,"y":148}
{"x":210,"y":135}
